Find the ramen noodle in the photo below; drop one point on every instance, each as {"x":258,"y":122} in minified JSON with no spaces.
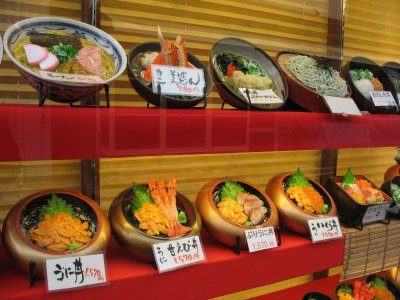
{"x":71,"y":66}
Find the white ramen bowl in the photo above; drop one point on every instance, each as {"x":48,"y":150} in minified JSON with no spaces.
{"x":60,"y":91}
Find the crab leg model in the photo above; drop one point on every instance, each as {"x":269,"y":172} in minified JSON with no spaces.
{"x":171,"y":54}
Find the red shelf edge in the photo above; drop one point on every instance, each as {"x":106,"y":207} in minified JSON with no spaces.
{"x":62,"y":132}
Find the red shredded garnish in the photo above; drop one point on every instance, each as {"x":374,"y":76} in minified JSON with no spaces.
{"x":231,"y":69}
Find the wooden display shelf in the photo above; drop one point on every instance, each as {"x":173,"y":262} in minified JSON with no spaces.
{"x":374,"y":249}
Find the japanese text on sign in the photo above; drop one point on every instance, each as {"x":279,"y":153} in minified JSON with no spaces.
{"x":383,"y":98}
{"x":75,"y":272}
{"x":178,"y":253}
{"x":261,"y":239}
{"x":73,"y":78}
{"x":375,"y":213}
{"x":339,"y":105}
{"x":260,"y":96}
{"x":178,"y":80}
{"x":324,"y":229}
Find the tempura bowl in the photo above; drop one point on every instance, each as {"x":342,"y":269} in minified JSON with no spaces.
{"x":24,"y":216}
{"x":230,"y":95}
{"x":222,"y":229}
{"x":291,"y":215}
{"x":126,"y":229}
{"x":60,"y":91}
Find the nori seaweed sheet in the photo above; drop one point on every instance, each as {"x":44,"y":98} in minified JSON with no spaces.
{"x":48,"y":39}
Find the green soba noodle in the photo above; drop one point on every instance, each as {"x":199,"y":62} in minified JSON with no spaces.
{"x":325,"y":81}
{"x":72,"y":65}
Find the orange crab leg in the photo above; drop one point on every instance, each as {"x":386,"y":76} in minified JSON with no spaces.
{"x":181,"y":52}
{"x":159,"y":60}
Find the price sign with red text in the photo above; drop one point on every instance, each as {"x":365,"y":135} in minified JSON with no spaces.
{"x":178,"y":253}
{"x":72,"y":78}
{"x":324,"y":229}
{"x":383,"y":98}
{"x":261,"y":239}
{"x":178,"y":80}
{"x":74,"y":272}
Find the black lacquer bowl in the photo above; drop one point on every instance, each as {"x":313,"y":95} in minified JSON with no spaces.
{"x":145,"y":90}
{"x":250,"y":51}
{"x":351,"y":213}
{"x":394,"y":209}
{"x":389,"y":285}
{"x":125,"y":226}
{"x":25,"y":216}
{"x":363,"y":103}
{"x":315,"y":296}
{"x":221,"y":228}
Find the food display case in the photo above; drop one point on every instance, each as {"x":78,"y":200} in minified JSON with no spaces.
{"x":100,"y":151}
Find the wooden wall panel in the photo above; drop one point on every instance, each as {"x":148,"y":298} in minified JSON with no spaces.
{"x":271,"y":25}
{"x":20,"y":179}
{"x":193,"y":171}
{"x":370,"y":162}
{"x":372,"y":30}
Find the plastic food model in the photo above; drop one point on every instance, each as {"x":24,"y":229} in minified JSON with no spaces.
{"x":395,"y":169}
{"x":310,"y":78}
{"x":151,"y":213}
{"x":166,"y":53}
{"x":230,"y":206}
{"x":365,"y":76}
{"x":353,"y":195}
{"x":298,"y":200}
{"x":360,"y":189}
{"x":51,"y":224}
{"x":63,"y":46}
{"x":237,"y":64}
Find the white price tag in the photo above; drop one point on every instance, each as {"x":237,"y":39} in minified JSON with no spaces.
{"x":178,"y":80}
{"x":261,"y":239}
{"x":73,"y":272}
{"x":261,"y":96}
{"x":375,"y":213}
{"x":74,"y":78}
{"x":1,"y":49}
{"x":324,"y":229}
{"x":178,"y":253}
{"x":338,"y":105}
{"x":383,"y":98}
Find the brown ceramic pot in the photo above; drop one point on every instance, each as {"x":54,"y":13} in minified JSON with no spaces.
{"x":394,"y":170}
{"x":24,"y":216}
{"x":292,"y":216}
{"x":222,"y":229}
{"x":136,"y":241}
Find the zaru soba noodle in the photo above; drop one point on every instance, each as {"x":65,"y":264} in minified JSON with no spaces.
{"x":325,"y":81}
